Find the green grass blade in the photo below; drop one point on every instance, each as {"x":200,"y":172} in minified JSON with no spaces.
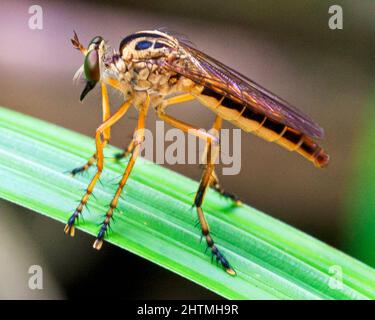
{"x":272,"y":259}
{"x":360,"y":200}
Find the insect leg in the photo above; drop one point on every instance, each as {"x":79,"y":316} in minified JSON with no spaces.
{"x":138,"y":139}
{"x":106,"y":133}
{"x":178,"y":99}
{"x":170,"y":101}
{"x":213,"y":149}
{"x":187,"y":127}
{"x":212,"y":152}
{"x":215,"y":184}
{"x":69,"y":228}
{"x":128,"y":151}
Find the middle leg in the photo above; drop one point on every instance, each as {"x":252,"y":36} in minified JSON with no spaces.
{"x":136,"y":146}
{"x":168,"y":102}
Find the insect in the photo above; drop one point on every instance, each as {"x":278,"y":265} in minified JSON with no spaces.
{"x":158,"y":69}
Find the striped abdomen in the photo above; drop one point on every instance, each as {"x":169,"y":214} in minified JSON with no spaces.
{"x":264,"y":127}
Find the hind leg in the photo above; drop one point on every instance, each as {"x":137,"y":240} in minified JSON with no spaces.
{"x":213,"y":149}
{"x":215,"y":184}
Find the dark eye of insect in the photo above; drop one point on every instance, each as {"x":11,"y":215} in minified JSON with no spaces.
{"x":91,"y":66}
{"x":96,"y":40}
{"x":142,"y":45}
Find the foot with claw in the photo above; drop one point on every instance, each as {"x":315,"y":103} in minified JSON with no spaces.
{"x":229,"y":195}
{"x":118,"y":156}
{"x":69,"y":227}
{"x":99,"y":239}
{"x":222,"y":260}
{"x":77,"y":170}
{"x":214,"y":184}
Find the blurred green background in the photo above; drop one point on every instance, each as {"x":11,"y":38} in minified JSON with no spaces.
{"x":285,"y":46}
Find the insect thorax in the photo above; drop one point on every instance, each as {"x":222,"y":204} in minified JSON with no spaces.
{"x":145,"y":75}
{"x":139,"y":65}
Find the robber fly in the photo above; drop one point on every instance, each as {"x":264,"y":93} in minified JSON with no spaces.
{"x":159,"y":69}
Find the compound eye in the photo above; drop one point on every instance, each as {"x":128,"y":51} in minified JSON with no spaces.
{"x":91,"y":66}
{"x":96,"y":41}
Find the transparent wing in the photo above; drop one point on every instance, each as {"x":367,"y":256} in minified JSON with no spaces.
{"x":213,"y":74}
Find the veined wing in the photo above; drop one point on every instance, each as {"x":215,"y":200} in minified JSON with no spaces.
{"x":211,"y":73}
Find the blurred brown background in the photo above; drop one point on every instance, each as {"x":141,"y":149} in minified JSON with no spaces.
{"x":285,"y":46}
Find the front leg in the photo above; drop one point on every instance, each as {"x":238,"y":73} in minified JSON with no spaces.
{"x":106,"y":133}
{"x":69,"y":228}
